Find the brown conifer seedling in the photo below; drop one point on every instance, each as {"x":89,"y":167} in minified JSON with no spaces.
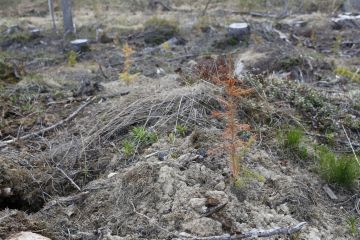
{"x":220,"y":73}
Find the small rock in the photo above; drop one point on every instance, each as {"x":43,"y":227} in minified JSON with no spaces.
{"x":166,"y":179}
{"x":203,"y":227}
{"x":283,"y":208}
{"x":110,"y":175}
{"x":162,"y":155}
{"x":27,"y":236}
{"x":13,"y":29}
{"x":215,"y":198}
{"x":220,"y":186}
{"x":6,"y":192}
{"x":198,"y":204}
{"x":88,"y":88}
{"x":202,"y":152}
{"x":103,"y":37}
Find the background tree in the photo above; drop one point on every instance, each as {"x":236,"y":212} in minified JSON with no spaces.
{"x":51,"y":10}
{"x":67,"y":17}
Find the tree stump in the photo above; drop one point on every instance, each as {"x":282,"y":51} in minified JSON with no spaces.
{"x":80,"y":45}
{"x":239,"y":31}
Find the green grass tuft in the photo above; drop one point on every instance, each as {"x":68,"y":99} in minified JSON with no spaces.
{"x":340,"y":169}
{"x":181,"y":130}
{"x":293,"y":138}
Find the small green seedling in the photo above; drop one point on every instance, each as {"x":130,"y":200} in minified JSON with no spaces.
{"x":141,"y":135}
{"x":72,"y":58}
{"x":128,"y":148}
{"x":352,"y":223}
{"x":181,"y":130}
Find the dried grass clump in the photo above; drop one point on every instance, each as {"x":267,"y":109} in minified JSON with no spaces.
{"x":190,"y":105}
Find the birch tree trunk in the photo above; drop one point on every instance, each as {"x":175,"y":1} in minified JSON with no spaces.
{"x":67,"y":17}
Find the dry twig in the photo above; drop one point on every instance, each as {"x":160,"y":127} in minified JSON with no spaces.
{"x":52,"y":127}
{"x":352,"y":148}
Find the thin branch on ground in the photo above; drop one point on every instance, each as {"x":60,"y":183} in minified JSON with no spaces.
{"x":351,"y":145}
{"x":52,"y":127}
{"x":252,"y":234}
{"x":69,"y":178}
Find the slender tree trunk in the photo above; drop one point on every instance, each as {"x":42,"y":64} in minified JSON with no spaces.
{"x":67,"y":17}
{"x":51,"y":10}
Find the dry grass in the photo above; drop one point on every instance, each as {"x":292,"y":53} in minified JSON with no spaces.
{"x":190,"y":105}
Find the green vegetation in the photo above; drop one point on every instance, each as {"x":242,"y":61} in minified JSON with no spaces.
{"x":139,"y":137}
{"x":246,"y":176}
{"x":181,"y":130}
{"x":292,"y":140}
{"x":340,"y":169}
{"x":351,"y":122}
{"x":348,"y":73}
{"x":128,"y":148}
{"x":6,"y":70}
{"x":72,"y":58}
{"x":158,"y":30}
{"x":352,"y":223}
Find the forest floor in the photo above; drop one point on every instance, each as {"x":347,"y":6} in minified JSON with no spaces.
{"x":145,"y":160}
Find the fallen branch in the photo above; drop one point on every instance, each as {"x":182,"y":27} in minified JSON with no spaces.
{"x":252,"y":234}
{"x":65,"y":201}
{"x":44,"y":130}
{"x":80,"y":99}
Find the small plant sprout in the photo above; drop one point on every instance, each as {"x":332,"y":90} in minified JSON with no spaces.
{"x":221,"y":75}
{"x":72,"y":58}
{"x":139,"y":134}
{"x":293,"y":138}
{"x":352,"y":224}
{"x":181,"y":130}
{"x":128,"y":148}
{"x":126,"y":76}
{"x":143,"y":136}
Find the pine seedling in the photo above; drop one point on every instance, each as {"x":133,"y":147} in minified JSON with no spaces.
{"x":221,"y":74}
{"x":125,"y":75}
